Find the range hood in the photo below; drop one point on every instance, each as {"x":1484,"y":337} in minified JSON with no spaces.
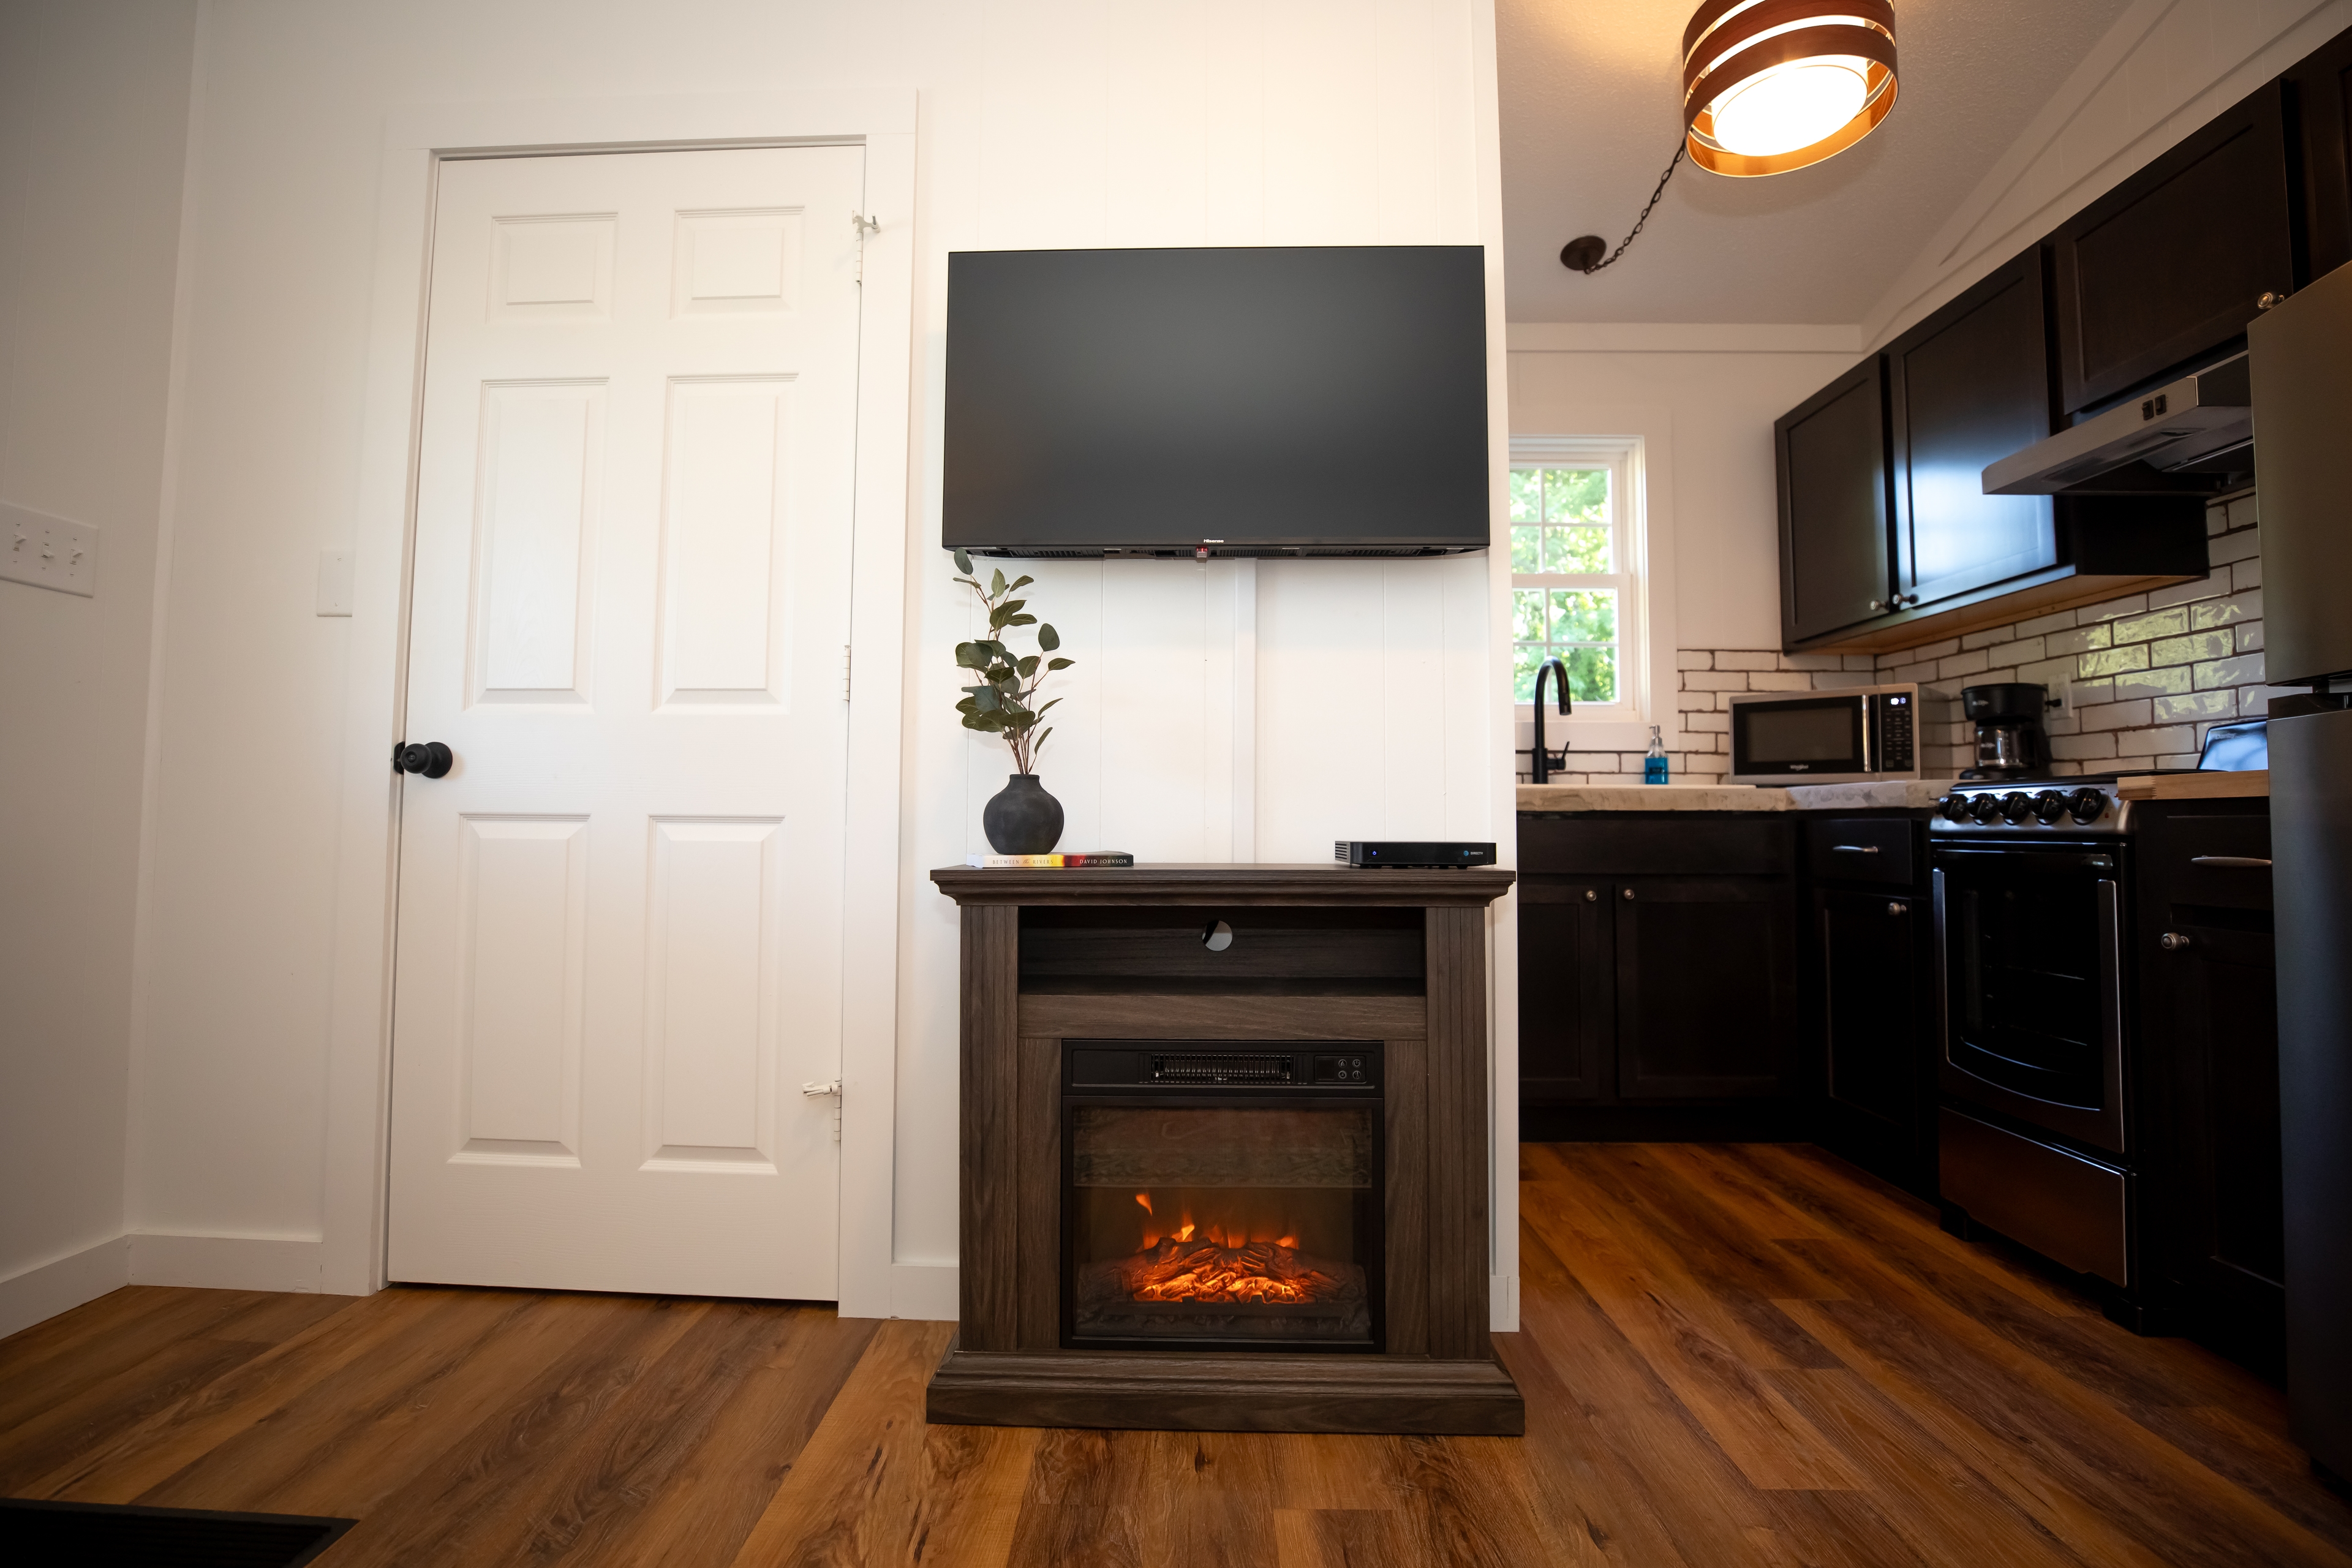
{"x":2195,"y":434}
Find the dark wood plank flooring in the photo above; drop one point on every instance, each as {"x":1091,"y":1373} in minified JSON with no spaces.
{"x":1732,"y":1354}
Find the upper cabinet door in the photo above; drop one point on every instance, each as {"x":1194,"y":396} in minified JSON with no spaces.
{"x":1834,"y":567}
{"x":1967,"y":386}
{"x":2171,"y":264}
{"x":2319,"y":120}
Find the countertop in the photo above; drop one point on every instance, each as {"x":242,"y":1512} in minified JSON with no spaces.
{"x":1907,"y":793}
{"x":2213,"y":785}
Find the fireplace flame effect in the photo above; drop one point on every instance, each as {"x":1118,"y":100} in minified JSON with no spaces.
{"x":1226,"y":1263}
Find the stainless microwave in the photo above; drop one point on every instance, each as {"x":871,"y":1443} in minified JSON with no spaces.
{"x":1852,"y":735}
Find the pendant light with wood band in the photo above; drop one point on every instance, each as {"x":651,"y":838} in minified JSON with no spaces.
{"x":1774,"y":85}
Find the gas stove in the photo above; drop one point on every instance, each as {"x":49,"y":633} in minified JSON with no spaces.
{"x":2034,"y":807}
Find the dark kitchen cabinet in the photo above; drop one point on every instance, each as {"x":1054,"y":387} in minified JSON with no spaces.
{"x":2319,"y":104}
{"x":1567,"y":992}
{"x":2208,"y":1013}
{"x":1657,"y":970}
{"x":1705,"y":988}
{"x":1836,"y":569}
{"x":2170,"y":265}
{"x":1965,"y":388}
{"x":1870,"y":961}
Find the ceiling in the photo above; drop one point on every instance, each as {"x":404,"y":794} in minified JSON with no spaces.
{"x":1592,"y":108}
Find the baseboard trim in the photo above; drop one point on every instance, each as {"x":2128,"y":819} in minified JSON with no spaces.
{"x":33,"y":1295}
{"x":924,"y":1291}
{"x":226,"y":1262}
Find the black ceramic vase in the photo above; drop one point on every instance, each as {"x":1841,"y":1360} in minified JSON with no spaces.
{"x":1021,"y":818}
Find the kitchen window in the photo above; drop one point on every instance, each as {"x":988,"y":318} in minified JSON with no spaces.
{"x":1575,"y":571}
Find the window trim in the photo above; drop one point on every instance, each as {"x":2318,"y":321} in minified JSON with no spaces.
{"x":1611,"y":727}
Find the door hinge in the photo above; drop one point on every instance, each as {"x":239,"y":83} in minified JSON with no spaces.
{"x":829,"y":1089}
{"x":845,"y":672}
{"x":864,"y":226}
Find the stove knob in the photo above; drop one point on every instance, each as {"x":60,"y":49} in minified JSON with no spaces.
{"x":1953,"y":807}
{"x":2050,"y":804}
{"x":2016,"y":806}
{"x":2088,"y":805}
{"x":1984,"y":807}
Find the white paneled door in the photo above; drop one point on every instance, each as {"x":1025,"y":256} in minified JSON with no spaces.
{"x":619,"y":950}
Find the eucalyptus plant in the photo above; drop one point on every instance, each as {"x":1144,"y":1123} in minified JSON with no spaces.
{"x":1005,"y":701}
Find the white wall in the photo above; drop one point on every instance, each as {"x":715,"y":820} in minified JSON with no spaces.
{"x":93,"y":119}
{"x":1718,"y":390}
{"x":1194,"y":729}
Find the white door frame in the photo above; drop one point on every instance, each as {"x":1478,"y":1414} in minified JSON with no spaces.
{"x":358,"y":1070}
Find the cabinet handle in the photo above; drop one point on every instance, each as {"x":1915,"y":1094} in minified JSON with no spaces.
{"x":2172,"y":941}
{"x":1629,"y":892}
{"x":1853,"y":848}
{"x":1898,"y":909}
{"x":1880,"y":604}
{"x":2234,"y":862}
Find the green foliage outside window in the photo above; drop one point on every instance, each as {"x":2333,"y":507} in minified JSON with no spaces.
{"x":1562,"y":525}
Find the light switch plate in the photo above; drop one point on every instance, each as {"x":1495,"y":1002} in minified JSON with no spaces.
{"x":334,"y":582}
{"x":48,"y":552}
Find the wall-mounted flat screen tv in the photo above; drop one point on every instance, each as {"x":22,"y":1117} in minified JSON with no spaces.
{"x":1310,"y":400}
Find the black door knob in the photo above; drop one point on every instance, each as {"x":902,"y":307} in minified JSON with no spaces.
{"x":430,"y":758}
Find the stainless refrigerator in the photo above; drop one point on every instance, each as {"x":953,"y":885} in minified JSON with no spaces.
{"x":2302,"y":365}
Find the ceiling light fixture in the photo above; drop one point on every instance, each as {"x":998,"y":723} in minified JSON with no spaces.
{"x":1774,"y":85}
{"x":1771,"y":86}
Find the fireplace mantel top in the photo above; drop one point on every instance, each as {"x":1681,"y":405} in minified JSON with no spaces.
{"x":1225,"y":884}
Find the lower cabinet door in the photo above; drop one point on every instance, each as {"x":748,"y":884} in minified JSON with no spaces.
{"x":1706,"y":988}
{"x":2213,"y":1017}
{"x":1566,"y":1031}
{"x":1877,"y":1075}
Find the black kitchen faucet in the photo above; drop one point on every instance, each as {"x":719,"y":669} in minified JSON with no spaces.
{"x":1540,"y":770}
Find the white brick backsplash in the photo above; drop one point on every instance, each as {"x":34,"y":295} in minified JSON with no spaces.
{"x":2183,"y":593}
{"x":1693,"y":658}
{"x":1715,"y":679}
{"x":1812,"y":661}
{"x":1860,"y":661}
{"x":1745,"y":658}
{"x":1831,"y":679}
{"x":2080,"y":748}
{"x":2114,"y":609}
{"x":2114,"y":716}
{"x":1707,"y":723}
{"x":2137,"y":678}
{"x":2243,"y":670}
{"x":2234,"y":547}
{"x":1779,"y":681}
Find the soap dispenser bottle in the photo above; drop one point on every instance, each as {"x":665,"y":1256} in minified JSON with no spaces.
{"x":1654,"y":765}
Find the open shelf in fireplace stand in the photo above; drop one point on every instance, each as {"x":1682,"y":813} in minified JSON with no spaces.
{"x":1009,"y":1366}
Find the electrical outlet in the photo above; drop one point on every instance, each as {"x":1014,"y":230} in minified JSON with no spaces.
{"x":48,"y":552}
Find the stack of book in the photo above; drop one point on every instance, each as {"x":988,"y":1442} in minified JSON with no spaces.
{"x":1093,"y":860}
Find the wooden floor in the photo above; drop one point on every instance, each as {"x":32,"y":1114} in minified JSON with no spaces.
{"x":1732,"y":1354}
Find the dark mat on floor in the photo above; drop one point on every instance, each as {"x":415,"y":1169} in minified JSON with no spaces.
{"x":105,"y":1535}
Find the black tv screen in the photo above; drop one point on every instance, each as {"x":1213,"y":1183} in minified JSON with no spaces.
{"x":1311,"y":400}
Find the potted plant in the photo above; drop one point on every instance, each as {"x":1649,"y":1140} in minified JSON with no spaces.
{"x":1021,"y":818}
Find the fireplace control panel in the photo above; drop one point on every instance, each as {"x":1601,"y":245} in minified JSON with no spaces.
{"x":1217,"y":1067}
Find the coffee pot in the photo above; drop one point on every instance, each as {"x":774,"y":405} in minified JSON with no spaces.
{"x":2010,"y":741}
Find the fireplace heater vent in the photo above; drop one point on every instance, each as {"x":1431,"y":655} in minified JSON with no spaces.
{"x":1221,"y":1068}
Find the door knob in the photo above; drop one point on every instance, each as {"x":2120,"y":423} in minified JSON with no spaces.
{"x":1898,"y":909}
{"x":430,"y":758}
{"x":2172,"y":941}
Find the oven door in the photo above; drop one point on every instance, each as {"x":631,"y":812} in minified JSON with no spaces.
{"x":2030,"y":965}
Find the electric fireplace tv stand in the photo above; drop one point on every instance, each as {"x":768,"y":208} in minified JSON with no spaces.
{"x":1223,"y":1152}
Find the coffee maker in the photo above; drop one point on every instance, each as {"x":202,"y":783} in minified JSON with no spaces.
{"x":2011,"y":743}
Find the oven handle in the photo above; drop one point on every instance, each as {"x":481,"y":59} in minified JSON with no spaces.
{"x":1943,"y":975}
{"x":2234,"y":862}
{"x":2023,"y":857}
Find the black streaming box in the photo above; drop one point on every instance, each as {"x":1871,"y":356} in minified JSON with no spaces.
{"x":1420,"y":855}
